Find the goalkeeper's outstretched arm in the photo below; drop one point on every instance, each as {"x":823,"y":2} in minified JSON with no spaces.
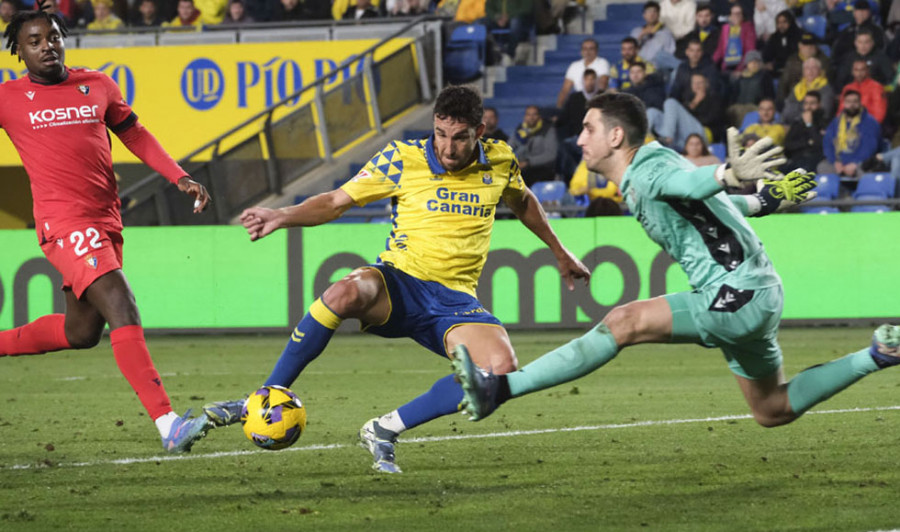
{"x":777,"y":195}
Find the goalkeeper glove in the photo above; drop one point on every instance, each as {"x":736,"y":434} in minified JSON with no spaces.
{"x":756,"y":162}
{"x":778,"y":195}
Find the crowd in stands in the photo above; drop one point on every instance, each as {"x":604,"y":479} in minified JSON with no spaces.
{"x":118,"y":14}
{"x":829,"y":99}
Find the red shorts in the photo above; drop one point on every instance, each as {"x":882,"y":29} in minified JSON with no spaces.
{"x":83,"y":254}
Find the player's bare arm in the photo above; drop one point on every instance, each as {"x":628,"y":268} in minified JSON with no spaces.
{"x":528,"y":210}
{"x":317,"y":210}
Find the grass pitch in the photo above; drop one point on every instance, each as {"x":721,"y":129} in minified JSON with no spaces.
{"x":652,"y":446}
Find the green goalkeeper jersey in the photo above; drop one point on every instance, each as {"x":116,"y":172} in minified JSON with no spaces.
{"x":685,"y":210}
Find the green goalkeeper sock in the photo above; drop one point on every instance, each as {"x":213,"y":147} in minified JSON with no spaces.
{"x":575,"y":359}
{"x":816,"y":384}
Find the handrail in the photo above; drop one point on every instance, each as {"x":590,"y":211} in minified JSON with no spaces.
{"x":277,"y":24}
{"x":313,"y":84}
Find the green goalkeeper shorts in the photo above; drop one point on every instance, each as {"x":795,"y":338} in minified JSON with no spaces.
{"x":742,"y":323}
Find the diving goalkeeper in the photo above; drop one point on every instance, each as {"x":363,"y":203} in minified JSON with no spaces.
{"x":737,"y":299}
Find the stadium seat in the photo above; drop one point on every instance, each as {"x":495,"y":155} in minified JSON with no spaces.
{"x":827,"y":189}
{"x":874,"y":187}
{"x":549,"y":191}
{"x":815,"y":24}
{"x":464,"y":57}
{"x":718,"y":149}
{"x":753,"y":117}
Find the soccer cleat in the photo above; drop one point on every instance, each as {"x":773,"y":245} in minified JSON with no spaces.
{"x":185,"y":431}
{"x":885,"y":348}
{"x":380,"y":443}
{"x":479,"y":387}
{"x":224,"y":413}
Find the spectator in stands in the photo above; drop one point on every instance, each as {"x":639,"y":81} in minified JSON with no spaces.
{"x":8,"y":8}
{"x":649,"y":88}
{"x":696,"y":62}
{"x":406,"y":8}
{"x":803,"y":144}
{"x":535,"y":146}
{"x":696,"y":151}
{"x":187,"y":15}
{"x":68,"y":10}
{"x":706,"y":31}
{"x":468,"y":11}
{"x":679,"y":16}
{"x":211,"y":11}
{"x":655,"y":41}
{"x":747,"y":91}
{"x":851,"y":138}
{"x":237,"y":13}
{"x":870,"y":91}
{"x":146,"y":15}
{"x":492,"y":130}
{"x":618,"y":73}
{"x":575,"y":72}
{"x":359,"y":10}
{"x":340,"y":7}
{"x":783,"y":43}
{"x":793,"y":68}
{"x":813,"y":80}
{"x":603,"y":194}
{"x":767,"y":126}
{"x":569,"y":120}
{"x":515,"y":16}
{"x":764,"y":15}
{"x":862,"y":18}
{"x":261,"y":10}
{"x":722,"y":9}
{"x":736,"y":39}
{"x":104,"y":19}
{"x":880,"y":67}
{"x":700,"y":109}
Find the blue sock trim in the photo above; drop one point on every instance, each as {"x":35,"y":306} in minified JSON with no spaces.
{"x":443,"y":398}
{"x":307,"y":341}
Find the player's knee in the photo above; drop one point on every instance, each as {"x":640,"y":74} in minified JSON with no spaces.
{"x":83,"y":339}
{"x":351,"y":295}
{"x":771,"y":417}
{"x":624,"y":323}
{"x":504,"y":365}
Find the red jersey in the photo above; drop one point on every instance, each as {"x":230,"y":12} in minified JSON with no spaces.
{"x":60,"y":132}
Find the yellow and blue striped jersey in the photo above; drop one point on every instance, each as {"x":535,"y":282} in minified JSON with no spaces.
{"x":442,"y":220}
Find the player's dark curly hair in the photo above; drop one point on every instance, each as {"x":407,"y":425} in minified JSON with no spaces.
{"x":460,"y":103}
{"x":19,"y":19}
{"x":620,"y":109}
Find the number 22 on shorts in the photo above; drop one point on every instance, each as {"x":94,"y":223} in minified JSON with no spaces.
{"x":77,"y":238}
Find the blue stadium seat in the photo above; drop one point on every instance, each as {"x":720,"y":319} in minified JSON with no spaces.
{"x":815,"y":24}
{"x":718,"y":149}
{"x":464,"y":57}
{"x":753,"y":117}
{"x":549,"y":191}
{"x":827,"y":189}
{"x":874,"y":187}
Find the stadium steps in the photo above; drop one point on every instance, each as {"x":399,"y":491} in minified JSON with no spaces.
{"x":512,"y":89}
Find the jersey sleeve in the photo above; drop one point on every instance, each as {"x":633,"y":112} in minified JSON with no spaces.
{"x":378,"y":179}
{"x":515,"y":174}
{"x":662,"y":179}
{"x":119,"y":115}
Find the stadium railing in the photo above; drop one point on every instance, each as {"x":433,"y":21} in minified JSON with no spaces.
{"x":261,"y":155}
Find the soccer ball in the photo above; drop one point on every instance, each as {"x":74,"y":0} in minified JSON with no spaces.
{"x":273,"y":417}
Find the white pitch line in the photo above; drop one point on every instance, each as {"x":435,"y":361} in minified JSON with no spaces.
{"x":228,"y":374}
{"x":508,"y":434}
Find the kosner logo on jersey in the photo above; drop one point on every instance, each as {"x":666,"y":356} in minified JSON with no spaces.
{"x":63,"y":114}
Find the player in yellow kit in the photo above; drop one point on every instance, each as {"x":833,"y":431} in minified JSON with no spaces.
{"x":444,"y":193}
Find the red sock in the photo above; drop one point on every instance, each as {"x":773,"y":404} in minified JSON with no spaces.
{"x":134,"y":362}
{"x":44,"y":334}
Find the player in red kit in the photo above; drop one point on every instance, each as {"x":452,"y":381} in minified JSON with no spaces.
{"x":58,"y":118}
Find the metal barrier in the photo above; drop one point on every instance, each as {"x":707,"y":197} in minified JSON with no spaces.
{"x":273,"y":149}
